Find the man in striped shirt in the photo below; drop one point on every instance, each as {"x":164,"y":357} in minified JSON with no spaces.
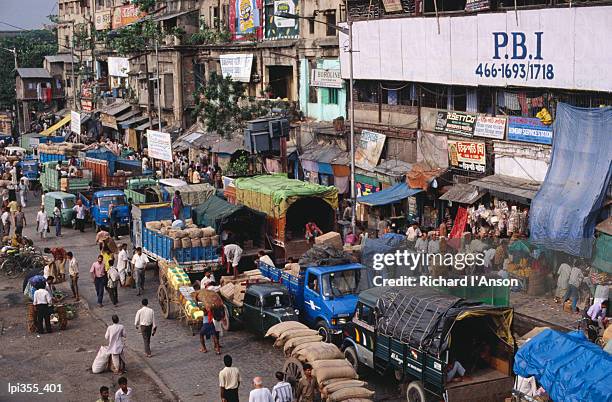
{"x":282,"y":391}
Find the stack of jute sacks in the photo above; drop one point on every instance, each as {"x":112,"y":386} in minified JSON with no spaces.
{"x":191,"y":236}
{"x":62,"y":148}
{"x":336,"y":377}
{"x":233,"y":289}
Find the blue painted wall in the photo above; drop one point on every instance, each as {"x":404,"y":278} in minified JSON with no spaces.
{"x":321,"y":110}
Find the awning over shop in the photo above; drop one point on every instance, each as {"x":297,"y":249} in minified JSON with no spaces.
{"x":147,"y":126}
{"x":462,"y":194}
{"x":396,"y":193}
{"x":564,"y":212}
{"x":127,"y":116}
{"x":115,"y":109}
{"x":134,"y":120}
{"x":57,"y":126}
{"x":508,"y":187}
{"x":392,"y":170}
{"x":330,"y":155}
{"x":421,"y":175}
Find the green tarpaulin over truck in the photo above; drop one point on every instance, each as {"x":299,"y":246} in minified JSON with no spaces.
{"x":273,"y":194}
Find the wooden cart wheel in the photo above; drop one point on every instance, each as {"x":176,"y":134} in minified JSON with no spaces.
{"x":294,"y":371}
{"x":164,"y":301}
{"x":225,"y":322}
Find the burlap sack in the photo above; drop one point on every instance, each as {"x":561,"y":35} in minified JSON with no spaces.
{"x":331,"y":381}
{"x":330,"y":363}
{"x":186,"y":242}
{"x":294,"y":333}
{"x":179,"y":234}
{"x":164,"y":230}
{"x":214,"y":241}
{"x":276,"y":330}
{"x":350,"y":393}
{"x":191,"y":226}
{"x":205,"y":241}
{"x":176,"y":243}
{"x":153,"y":225}
{"x":208,"y":231}
{"x":196,"y":242}
{"x":194,"y":233}
{"x":317,"y":351}
{"x":166,"y":222}
{"x":326,"y":373}
{"x":333,"y":387}
{"x":188,"y":221}
{"x":293,"y":342}
{"x":208,"y":298}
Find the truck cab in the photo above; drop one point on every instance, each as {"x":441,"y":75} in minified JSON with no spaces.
{"x":64,"y":201}
{"x":264,"y":305}
{"x":29,"y":168}
{"x":98,"y":204}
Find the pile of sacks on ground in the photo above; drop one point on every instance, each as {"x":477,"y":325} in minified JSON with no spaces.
{"x":233,"y":289}
{"x":190,"y":236}
{"x":62,"y":148}
{"x":336,"y":377}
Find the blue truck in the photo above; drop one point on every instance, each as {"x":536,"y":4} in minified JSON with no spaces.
{"x":29,"y":168}
{"x":158,"y":246}
{"x":98,"y":202}
{"x":326,"y":296}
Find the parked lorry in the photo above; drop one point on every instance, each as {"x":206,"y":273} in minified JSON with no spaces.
{"x":158,"y":246}
{"x":419,"y":334}
{"x":98,"y":203}
{"x":29,"y":168}
{"x":53,"y":180}
{"x":264,"y":305}
{"x":324,"y":295}
{"x":103,"y":173}
{"x":64,"y":201}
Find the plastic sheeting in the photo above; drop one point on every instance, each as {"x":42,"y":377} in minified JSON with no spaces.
{"x":564,"y":212}
{"x":323,"y":255}
{"x":395,"y":193}
{"x":216,"y":212}
{"x":603,"y":253}
{"x":569,"y":366}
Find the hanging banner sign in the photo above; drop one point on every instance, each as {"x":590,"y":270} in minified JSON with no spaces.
{"x":326,"y":78}
{"x":529,"y":129}
{"x":467,"y":155}
{"x":368,"y":149}
{"x":108,"y":121}
{"x":159,"y":145}
{"x":455,"y":123}
{"x":237,"y":66}
{"x":490,"y":127}
{"x":103,"y":21}
{"x":125,"y":15}
{"x":392,"y":6}
{"x":75,"y":122}
{"x":477,"y":5}
{"x":284,"y":7}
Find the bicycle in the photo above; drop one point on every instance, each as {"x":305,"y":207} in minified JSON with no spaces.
{"x":591,"y":330}
{"x":18,"y":262}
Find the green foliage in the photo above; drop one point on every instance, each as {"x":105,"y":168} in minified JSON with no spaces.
{"x":177,"y":31}
{"x":224,"y":107}
{"x":32,"y":47}
{"x":144,"y":5}
{"x":238,"y":166}
{"x":135,"y":37}
{"x":209,"y":36}
{"x":81,"y":38}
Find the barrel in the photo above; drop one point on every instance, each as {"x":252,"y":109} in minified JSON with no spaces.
{"x":62,"y":316}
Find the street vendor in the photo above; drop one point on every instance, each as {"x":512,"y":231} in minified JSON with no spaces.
{"x":232,"y":254}
{"x":59,"y":259}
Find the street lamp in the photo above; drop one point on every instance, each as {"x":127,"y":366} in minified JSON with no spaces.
{"x":349,"y":32}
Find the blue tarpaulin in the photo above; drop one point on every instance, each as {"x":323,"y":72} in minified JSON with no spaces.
{"x":563,"y":213}
{"x":569,"y":366}
{"x":389,"y":195}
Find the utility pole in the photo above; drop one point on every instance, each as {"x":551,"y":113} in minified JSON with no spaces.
{"x":352,"y":107}
{"x":74,"y":86}
{"x":16,"y":101}
{"x":159,"y":122}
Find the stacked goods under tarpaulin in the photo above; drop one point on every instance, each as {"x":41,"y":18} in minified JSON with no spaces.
{"x":194,"y":194}
{"x":58,"y":151}
{"x":568,"y":366}
{"x":564,"y":212}
{"x":335,"y":375}
{"x":423,"y":317}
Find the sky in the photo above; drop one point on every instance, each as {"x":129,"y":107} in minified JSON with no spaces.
{"x":28,"y":14}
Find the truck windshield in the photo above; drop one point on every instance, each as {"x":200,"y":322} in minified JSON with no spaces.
{"x":343,"y":283}
{"x":68,"y":203}
{"x":29,"y":168}
{"x":277,"y":301}
{"x":104,"y":202}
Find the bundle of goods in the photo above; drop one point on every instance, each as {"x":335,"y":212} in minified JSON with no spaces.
{"x":293,"y":268}
{"x":335,"y":375}
{"x":192,"y":310}
{"x":189,"y":236}
{"x":208,"y":298}
{"x":331,"y":238}
{"x":177,"y":277}
{"x":62,"y":148}
{"x":233,"y":289}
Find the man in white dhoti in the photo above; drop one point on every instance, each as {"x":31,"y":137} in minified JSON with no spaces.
{"x":115,"y":335}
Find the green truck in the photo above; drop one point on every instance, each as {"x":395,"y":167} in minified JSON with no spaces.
{"x":52,"y":180}
{"x":142,"y":190}
{"x":64,"y":201}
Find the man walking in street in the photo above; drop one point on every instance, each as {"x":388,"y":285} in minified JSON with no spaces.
{"x":124,"y":393}
{"x":42,"y":223}
{"x":20,"y":221}
{"x":575,"y":280}
{"x":98,"y":275}
{"x":139,"y":262}
{"x":259,"y":393}
{"x":229,"y":381}
{"x":73,"y":271}
{"x":122,"y":264}
{"x":115,"y":335}
{"x":80,"y":210}
{"x":282,"y":391}
{"x":145,"y":322}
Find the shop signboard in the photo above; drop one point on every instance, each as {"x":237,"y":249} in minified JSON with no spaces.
{"x":467,"y":155}
{"x":368,"y":149}
{"x":490,"y":127}
{"x":237,"y":66}
{"x":477,"y":5}
{"x":108,"y":121}
{"x":86,"y":105}
{"x":126,"y":15}
{"x":103,"y":20}
{"x":75,"y":122}
{"x":563,"y":48}
{"x":118,"y":67}
{"x":528,"y":129}
{"x":326,"y":78}
{"x":279,"y":27}
{"x":159,"y":145}
{"x":393,"y":6}
{"x":459,"y":123}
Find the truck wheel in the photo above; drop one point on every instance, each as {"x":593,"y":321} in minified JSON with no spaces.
{"x":225,"y":322}
{"x":415,"y":392}
{"x":351,"y":355}
{"x":324,"y":331}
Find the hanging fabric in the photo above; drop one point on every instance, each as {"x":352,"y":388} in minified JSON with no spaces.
{"x":472,"y":101}
{"x":450,"y":100}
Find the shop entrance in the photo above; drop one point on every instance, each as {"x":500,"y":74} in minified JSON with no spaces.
{"x":280,"y":79}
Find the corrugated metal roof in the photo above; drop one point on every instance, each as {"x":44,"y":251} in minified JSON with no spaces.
{"x":128,"y":115}
{"x":169,"y":16}
{"x":33,"y":73}
{"x":463,"y":194}
{"x":508,"y":187}
{"x":133,"y":120}
{"x":61,"y":58}
{"x":115,"y":108}
{"x":393,"y":167}
{"x":326,"y":154}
